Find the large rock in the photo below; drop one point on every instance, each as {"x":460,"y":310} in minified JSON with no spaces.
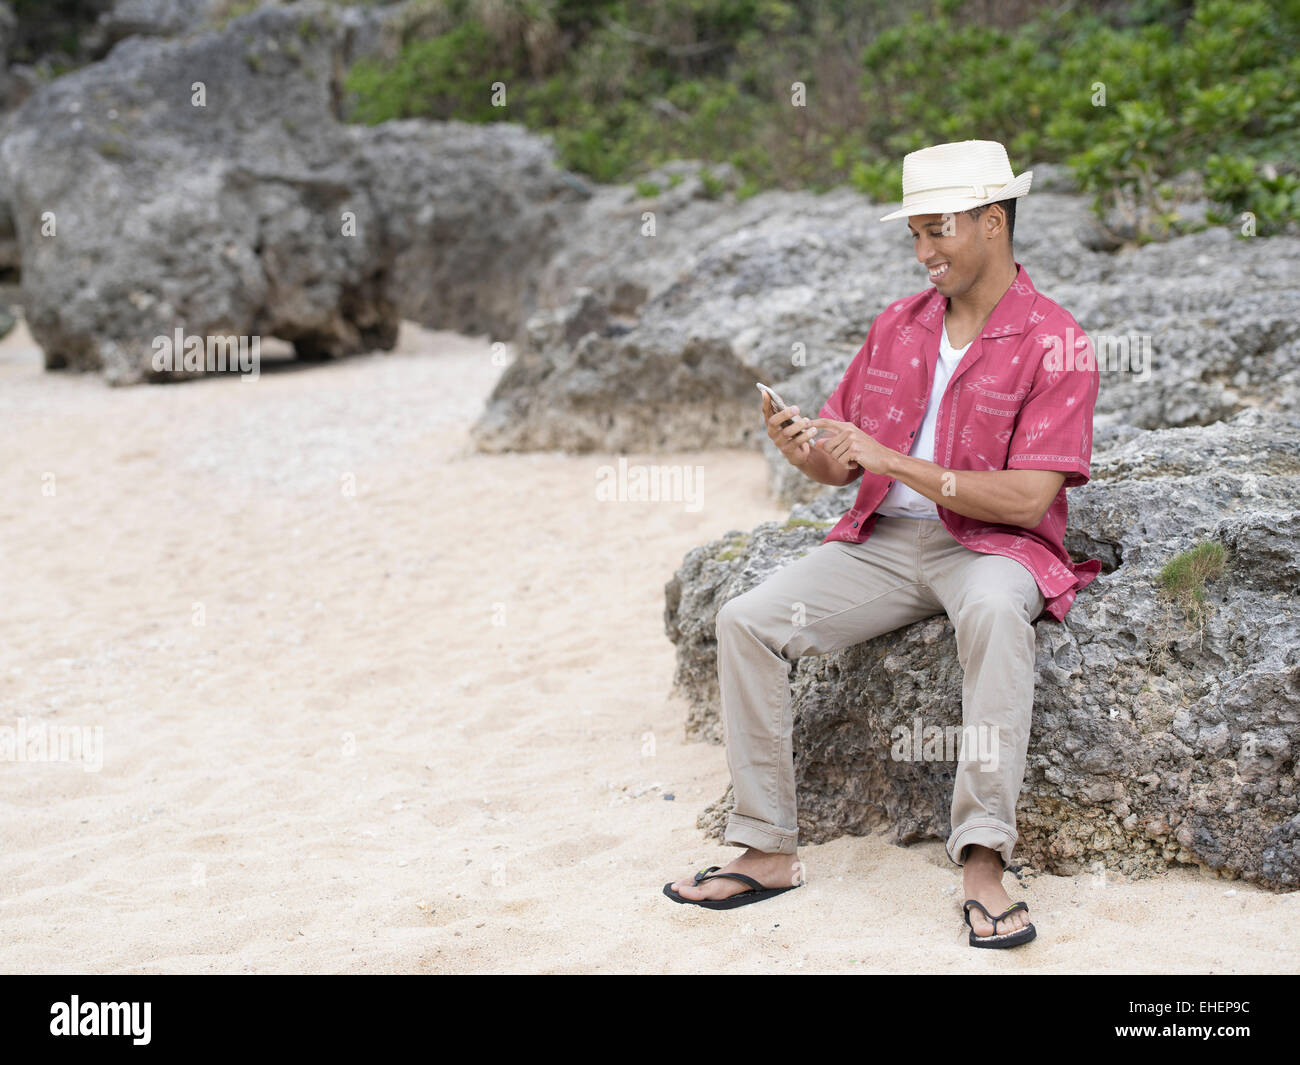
{"x":662,"y":346}
{"x":635,"y":241}
{"x":472,"y":213}
{"x":229,"y":218}
{"x":1159,"y":737}
{"x":219,"y":219}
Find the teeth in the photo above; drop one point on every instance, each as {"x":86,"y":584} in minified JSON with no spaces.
{"x":938,"y":270}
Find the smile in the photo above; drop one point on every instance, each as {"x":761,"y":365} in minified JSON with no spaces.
{"x":939,"y":272}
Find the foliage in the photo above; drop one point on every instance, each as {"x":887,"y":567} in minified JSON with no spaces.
{"x":1128,"y":95}
{"x":1183,"y":576}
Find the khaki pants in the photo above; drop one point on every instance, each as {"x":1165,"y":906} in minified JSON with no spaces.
{"x":841,"y":594}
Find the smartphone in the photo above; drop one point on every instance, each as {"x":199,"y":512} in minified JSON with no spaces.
{"x":777,"y":403}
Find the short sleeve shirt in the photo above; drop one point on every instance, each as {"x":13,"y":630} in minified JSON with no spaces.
{"x":1021,"y":398}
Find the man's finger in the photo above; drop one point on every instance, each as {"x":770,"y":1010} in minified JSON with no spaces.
{"x":784,"y":414}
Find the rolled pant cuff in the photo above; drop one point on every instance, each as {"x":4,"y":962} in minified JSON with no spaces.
{"x":986,"y":832}
{"x":745,"y":831}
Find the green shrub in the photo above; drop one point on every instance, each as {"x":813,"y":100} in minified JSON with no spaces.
{"x":449,"y":76}
{"x":1244,"y":185}
{"x":1210,"y":86}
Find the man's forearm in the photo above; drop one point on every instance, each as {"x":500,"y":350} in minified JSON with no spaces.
{"x":985,"y":495}
{"x":823,"y":469}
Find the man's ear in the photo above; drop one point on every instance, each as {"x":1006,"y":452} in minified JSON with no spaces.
{"x":991,"y":227}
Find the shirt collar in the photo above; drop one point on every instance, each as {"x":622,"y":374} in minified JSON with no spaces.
{"x":1008,"y":317}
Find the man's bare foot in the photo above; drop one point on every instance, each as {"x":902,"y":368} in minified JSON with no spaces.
{"x":982,"y":880}
{"x":770,"y":870}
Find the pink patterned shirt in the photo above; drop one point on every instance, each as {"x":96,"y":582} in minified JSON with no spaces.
{"x":1020,"y":399}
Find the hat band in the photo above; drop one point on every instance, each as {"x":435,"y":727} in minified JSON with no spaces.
{"x":980,"y":192}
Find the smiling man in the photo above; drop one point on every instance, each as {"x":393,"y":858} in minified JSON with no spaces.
{"x":966,"y":421}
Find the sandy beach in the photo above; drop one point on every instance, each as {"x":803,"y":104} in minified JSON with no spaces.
{"x":372,"y":701}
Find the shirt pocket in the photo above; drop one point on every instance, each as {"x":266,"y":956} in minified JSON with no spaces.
{"x":988,"y":429}
{"x":881,"y":382}
{"x":984,"y":394}
{"x":997,"y":409}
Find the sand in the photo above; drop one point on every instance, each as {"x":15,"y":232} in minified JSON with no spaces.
{"x":423,"y":726}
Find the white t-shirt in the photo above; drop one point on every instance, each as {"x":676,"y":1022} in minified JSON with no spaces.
{"x":900,"y":500}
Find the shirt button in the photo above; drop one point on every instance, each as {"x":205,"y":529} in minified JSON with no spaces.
{"x":855,"y":524}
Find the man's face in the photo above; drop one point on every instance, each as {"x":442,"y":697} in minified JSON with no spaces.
{"x":952,"y":244}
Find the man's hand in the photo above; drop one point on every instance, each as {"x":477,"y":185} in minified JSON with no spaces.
{"x":849,"y":445}
{"x":794,"y":441}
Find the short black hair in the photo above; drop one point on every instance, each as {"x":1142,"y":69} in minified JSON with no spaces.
{"x":1007,"y":205}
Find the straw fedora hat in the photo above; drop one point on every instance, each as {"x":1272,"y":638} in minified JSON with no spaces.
{"x":949,"y":178}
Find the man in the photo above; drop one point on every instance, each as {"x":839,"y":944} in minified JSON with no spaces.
{"x":967,"y":414}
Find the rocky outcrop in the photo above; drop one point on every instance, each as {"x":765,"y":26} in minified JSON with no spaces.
{"x":1161,"y":734}
{"x":209,"y":184}
{"x":472,"y":213}
{"x":142,"y":207}
{"x":661,"y":348}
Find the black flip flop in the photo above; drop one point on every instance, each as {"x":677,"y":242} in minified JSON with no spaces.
{"x":998,"y":939}
{"x":756,"y":893}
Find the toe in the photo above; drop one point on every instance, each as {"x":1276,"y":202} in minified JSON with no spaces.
{"x":687,"y":888}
